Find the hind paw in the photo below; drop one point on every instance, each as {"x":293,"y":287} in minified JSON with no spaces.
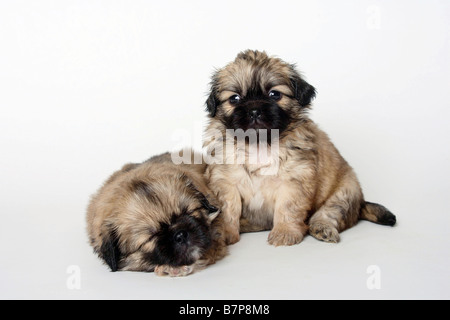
{"x":324,"y":232}
{"x":165,"y":270}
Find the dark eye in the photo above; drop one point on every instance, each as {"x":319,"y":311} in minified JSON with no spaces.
{"x":275,"y":95}
{"x":235,"y":99}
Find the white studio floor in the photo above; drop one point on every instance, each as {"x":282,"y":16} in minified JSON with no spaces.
{"x":410,"y":263}
{"x":88,"y":86}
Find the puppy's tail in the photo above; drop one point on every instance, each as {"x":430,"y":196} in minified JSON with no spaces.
{"x":375,"y":212}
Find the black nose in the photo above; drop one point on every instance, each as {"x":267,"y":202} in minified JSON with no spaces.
{"x":255,"y":114}
{"x":180,"y":236}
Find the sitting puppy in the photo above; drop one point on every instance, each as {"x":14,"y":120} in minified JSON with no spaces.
{"x":303,"y":186}
{"x":156,"y":216}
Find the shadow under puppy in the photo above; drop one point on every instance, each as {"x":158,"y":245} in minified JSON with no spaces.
{"x":309,"y":187}
{"x":156,"y":216}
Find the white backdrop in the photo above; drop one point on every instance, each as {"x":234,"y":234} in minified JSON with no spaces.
{"x":86,"y":86}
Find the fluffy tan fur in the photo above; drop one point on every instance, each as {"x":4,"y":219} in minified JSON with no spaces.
{"x":313,"y":189}
{"x":125,"y":208}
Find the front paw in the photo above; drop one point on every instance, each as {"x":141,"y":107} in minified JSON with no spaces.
{"x":165,"y":270}
{"x":284,"y":236}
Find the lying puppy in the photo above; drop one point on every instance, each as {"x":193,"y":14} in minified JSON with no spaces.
{"x":156,"y":216}
{"x":304,"y":185}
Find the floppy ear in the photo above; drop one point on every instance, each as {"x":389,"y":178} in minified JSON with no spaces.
{"x":303,"y":91}
{"x":212,"y":103}
{"x":109,"y":251}
{"x":213,"y":211}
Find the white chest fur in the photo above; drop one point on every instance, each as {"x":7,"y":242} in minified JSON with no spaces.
{"x":258,"y":193}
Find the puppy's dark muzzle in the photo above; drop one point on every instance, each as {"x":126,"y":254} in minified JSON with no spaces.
{"x":180,"y":242}
{"x":255,"y":114}
{"x":181,"y":237}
